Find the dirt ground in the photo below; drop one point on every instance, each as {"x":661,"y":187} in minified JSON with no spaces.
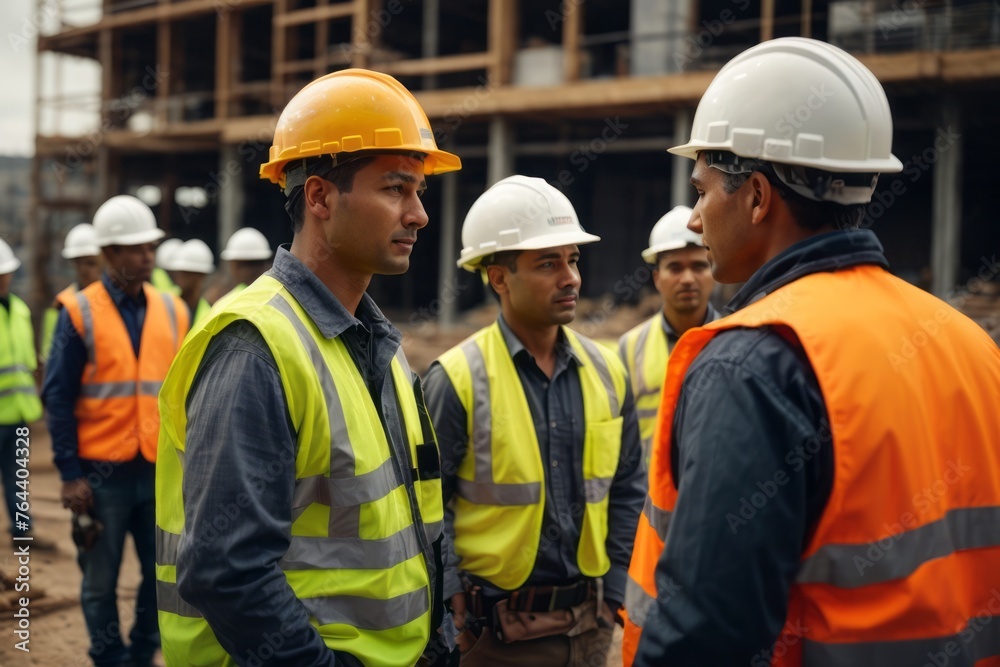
{"x":58,"y":636}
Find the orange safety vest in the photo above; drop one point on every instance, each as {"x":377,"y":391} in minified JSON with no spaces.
{"x":904,"y":565}
{"x":116,"y":411}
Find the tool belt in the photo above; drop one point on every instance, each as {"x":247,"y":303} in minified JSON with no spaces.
{"x":543,"y":611}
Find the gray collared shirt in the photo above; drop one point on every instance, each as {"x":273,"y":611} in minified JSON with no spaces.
{"x":556,"y":406}
{"x":711,"y":314}
{"x":241,"y":444}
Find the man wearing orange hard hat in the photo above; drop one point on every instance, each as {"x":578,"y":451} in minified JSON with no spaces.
{"x":299,"y":501}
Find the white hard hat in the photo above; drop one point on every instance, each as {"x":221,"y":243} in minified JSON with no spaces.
{"x":193,"y":255}
{"x":8,"y":263}
{"x":519,"y":213}
{"x":81,"y":241}
{"x":671,"y":233}
{"x":247,"y":244}
{"x":167,"y":248}
{"x":125,"y":220}
{"x":798,"y":101}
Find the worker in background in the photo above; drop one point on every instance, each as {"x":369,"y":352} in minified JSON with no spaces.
{"x":826,"y":473}
{"x":190,"y":265}
{"x":81,"y":248}
{"x":292,"y":408}
{"x":19,"y":403}
{"x":115,"y":341}
{"x":540,"y":447}
{"x":683,"y":277}
{"x":161,"y":278}
{"x":249,"y":256}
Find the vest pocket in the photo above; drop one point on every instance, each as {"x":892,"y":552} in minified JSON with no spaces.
{"x":602,"y":448}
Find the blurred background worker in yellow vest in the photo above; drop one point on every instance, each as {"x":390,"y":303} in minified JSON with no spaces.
{"x":540,"y":447}
{"x":161,"y":278}
{"x":189,"y":265}
{"x":817,"y":495}
{"x":249,"y":256}
{"x":81,"y":248}
{"x":683,"y":277}
{"x":298,"y":491}
{"x":19,"y":402}
{"x":114,"y":341}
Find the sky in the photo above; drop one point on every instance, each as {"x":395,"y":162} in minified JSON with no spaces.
{"x":20,"y":21}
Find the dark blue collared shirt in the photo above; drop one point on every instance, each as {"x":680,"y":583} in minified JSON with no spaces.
{"x":556,"y":406}
{"x":64,"y":374}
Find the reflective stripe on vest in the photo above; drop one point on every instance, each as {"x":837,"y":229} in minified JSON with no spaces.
{"x":19,"y":400}
{"x":902,"y":565}
{"x":644,"y":351}
{"x":501,"y":479}
{"x":116,"y":408}
{"x":354,"y":557}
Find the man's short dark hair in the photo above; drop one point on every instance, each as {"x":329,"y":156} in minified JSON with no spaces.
{"x":507,"y":259}
{"x":808,"y":213}
{"x":342,"y":177}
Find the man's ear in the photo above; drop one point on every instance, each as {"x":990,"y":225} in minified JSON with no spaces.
{"x":315,"y":192}
{"x":762,"y":195}
{"x":497,"y":276}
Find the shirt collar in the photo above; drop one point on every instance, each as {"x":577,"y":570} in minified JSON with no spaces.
{"x":118,"y":295}
{"x":711,"y":314}
{"x":824,"y":252}
{"x":323,"y":308}
{"x":563,"y":349}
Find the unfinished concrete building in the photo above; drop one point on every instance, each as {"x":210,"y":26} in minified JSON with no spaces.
{"x":585,"y":93}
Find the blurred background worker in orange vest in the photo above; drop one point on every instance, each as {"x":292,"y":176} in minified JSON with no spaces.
{"x":113,"y":345}
{"x":683,"y":278}
{"x":80,"y":247}
{"x":826,"y":469}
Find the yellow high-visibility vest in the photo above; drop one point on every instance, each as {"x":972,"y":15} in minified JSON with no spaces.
{"x":644,"y":351}
{"x":19,"y":400}
{"x":369,"y":592}
{"x":500,"y":500}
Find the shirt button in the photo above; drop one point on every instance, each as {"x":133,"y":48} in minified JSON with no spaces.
{"x":555,"y":464}
{"x":545,"y":385}
{"x":552,"y":424}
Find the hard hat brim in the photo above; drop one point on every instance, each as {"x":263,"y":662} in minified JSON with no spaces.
{"x":890,"y":165}
{"x":10,"y":266}
{"x":650,"y":254}
{"x":244,"y":256}
{"x":138,"y":238}
{"x":192,"y":267}
{"x":83,"y":251}
{"x":471,"y":261}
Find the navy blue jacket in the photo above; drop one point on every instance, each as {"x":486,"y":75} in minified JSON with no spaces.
{"x":754,"y":466}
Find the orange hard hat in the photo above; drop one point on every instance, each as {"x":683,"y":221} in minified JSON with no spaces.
{"x":353,"y":110}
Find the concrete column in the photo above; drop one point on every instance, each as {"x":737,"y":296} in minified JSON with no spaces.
{"x":946,"y":232}
{"x":501,"y":150}
{"x":448,"y":254}
{"x":231,"y":197}
{"x":680,"y":181}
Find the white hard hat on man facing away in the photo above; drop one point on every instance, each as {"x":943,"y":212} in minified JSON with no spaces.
{"x":803,"y":105}
{"x":81,"y":241}
{"x":519,"y":213}
{"x":194,"y":256}
{"x":247,"y":244}
{"x":125,"y":220}
{"x":671,"y":233}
